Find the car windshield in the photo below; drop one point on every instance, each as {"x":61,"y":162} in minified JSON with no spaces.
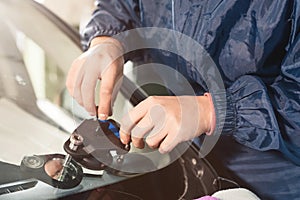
{"x":37,"y":114}
{"x":35,"y":56}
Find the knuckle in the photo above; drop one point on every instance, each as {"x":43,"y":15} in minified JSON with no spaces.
{"x":77,"y":62}
{"x":152,"y":99}
{"x":151,"y":143}
{"x":85,"y":89}
{"x":90,"y":107}
{"x":106,"y":92}
{"x":127,"y":122}
{"x":125,"y":128}
{"x":125,"y":138}
{"x":123,"y":123}
{"x":136,"y":132}
{"x":137,"y":142}
{"x":79,"y":101}
{"x":163,"y":149}
{"x":74,"y":63}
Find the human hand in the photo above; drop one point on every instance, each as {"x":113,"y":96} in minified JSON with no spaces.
{"x":165,"y":121}
{"x":103,"y":61}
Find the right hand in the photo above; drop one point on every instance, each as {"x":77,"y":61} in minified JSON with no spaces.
{"x":103,"y":61}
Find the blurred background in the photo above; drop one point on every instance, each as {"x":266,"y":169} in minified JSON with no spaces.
{"x":48,"y":75}
{"x":74,"y":12}
{"x":36,"y":52}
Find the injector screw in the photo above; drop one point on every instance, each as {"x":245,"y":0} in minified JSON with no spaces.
{"x":75,"y":141}
{"x":120,"y":158}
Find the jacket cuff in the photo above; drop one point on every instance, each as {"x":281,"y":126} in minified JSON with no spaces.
{"x":88,"y":35}
{"x":225,"y":112}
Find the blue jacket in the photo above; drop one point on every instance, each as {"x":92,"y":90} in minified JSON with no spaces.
{"x":254,"y":43}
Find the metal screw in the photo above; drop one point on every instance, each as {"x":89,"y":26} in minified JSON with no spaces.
{"x":199,"y":173}
{"x":120,"y":158}
{"x":75,"y":141}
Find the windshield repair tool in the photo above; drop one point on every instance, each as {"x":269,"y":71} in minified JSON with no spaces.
{"x":75,"y":141}
{"x":95,"y":144}
{"x":100,"y":144}
{"x":48,"y":168}
{"x":102,"y":149}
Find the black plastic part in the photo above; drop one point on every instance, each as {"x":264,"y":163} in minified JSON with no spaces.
{"x":9,"y":173}
{"x":188,"y":177}
{"x":39,"y":172}
{"x":131,"y":164}
{"x":17,"y":186}
{"x":99,"y":141}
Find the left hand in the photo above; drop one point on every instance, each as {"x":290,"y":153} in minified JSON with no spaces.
{"x":165,"y":121}
{"x":102,"y":61}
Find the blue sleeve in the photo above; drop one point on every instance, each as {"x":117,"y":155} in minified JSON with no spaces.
{"x":110,"y":18}
{"x":267,"y":117}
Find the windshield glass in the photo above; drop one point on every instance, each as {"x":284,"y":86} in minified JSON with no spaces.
{"x":37,"y":114}
{"x":31,"y":77}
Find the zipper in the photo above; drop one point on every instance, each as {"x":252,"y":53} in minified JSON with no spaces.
{"x":174,"y":29}
{"x":173,"y":15}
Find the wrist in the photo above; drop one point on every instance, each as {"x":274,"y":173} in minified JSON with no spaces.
{"x":212,"y":114}
{"x":107,"y":40}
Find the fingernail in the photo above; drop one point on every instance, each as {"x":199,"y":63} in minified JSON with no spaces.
{"x":122,"y":141}
{"x":162,"y":151}
{"x":102,"y":116}
{"x":92,"y":114}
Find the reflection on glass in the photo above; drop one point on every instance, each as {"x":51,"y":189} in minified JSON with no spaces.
{"x":54,"y":168}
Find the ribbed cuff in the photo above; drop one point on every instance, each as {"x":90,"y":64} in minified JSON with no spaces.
{"x":225,"y":112}
{"x":88,"y":35}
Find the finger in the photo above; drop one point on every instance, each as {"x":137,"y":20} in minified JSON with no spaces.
{"x":124,"y":137}
{"x":139,"y":131}
{"x":131,"y":119}
{"x":77,"y":88}
{"x":126,"y":125}
{"x":72,"y":75}
{"x":169,"y":142}
{"x":158,"y":133}
{"x":74,"y":79}
{"x":108,"y":87}
{"x":138,"y":142}
{"x":155,"y":138}
{"x":88,"y":92}
{"x":105,"y":103}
